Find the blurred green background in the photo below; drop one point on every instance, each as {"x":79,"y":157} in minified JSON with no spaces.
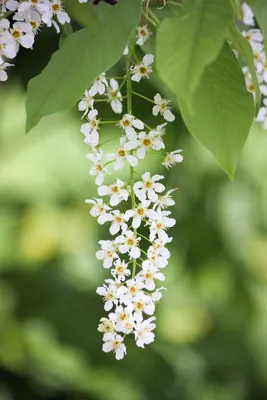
{"x":211,"y":336}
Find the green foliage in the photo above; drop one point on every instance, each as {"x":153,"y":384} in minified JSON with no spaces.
{"x":191,"y":41}
{"x":85,"y":55}
{"x":223,"y":110}
{"x":259,"y":8}
{"x":244,"y":49}
{"x":80,"y":12}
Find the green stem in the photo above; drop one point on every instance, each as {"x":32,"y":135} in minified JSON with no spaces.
{"x":143,"y":97}
{"x":6,"y":15}
{"x":129,"y":111}
{"x":121,"y":85}
{"x":109,"y":122}
{"x":153,"y":16}
{"x":140,"y":234}
{"x":149,"y":19}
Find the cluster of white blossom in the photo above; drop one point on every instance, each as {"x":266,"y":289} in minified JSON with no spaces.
{"x":27,"y":18}
{"x":255,"y":38}
{"x":136,"y":253}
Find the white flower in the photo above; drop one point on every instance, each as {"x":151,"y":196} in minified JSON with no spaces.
{"x":118,"y":222}
{"x":121,"y":156}
{"x":99,"y":85}
{"x":129,"y":123}
{"x":123,"y":319}
{"x":115,"y":344}
{"x":98,"y":169}
{"x":253,"y":35}
{"x":143,"y":332}
{"x":262,"y":114}
{"x":172,"y":158}
{"x":116,"y":192}
{"x":22,"y":33}
{"x":107,"y":252}
{"x":86,"y":103}
{"x":248,"y":16}
{"x":142,"y":35}
{"x":110,"y":293}
{"x":58,"y":10}
{"x":150,"y":140}
{"x":3,"y":67}
{"x":161,"y":106}
{"x":90,"y":129}
{"x":144,"y":69}
{"x":137,"y":214}
{"x":120,"y":270}
{"x":129,"y":244}
{"x":142,"y":304}
{"x":128,"y":294}
{"x":114,"y":96}
{"x":159,"y":222}
{"x":126,"y":50}
{"x":148,"y":275}
{"x":106,"y":326}
{"x":149,"y":187}
{"x":154,"y":260}
{"x":166,"y":200}
{"x":12,"y":5}
{"x":100,"y":210}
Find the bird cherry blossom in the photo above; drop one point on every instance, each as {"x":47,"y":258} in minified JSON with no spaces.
{"x":136,"y":209}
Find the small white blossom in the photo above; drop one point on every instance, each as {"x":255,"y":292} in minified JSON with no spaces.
{"x":99,"y":85}
{"x":121,"y":156}
{"x":115,"y":344}
{"x":248,"y":16}
{"x":116,"y":191}
{"x":98,"y":169}
{"x":172,"y":158}
{"x":118,"y":222}
{"x":149,"y":187}
{"x":142,"y":35}
{"x":138,"y":214}
{"x":107,"y":252}
{"x":162,"y":107}
{"x":150,"y":140}
{"x":100,"y":210}
{"x":144,"y":69}
{"x":114,"y":96}
{"x":128,"y":243}
{"x":120,"y":270}
{"x":143,"y":332}
{"x":86,"y":103}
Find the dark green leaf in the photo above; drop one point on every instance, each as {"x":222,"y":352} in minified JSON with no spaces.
{"x":241,"y":44}
{"x":189,"y":42}
{"x":223,"y":110}
{"x":85,"y":55}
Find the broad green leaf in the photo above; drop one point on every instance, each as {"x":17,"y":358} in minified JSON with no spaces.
{"x":66,"y":32}
{"x":83,"y":13}
{"x":259,"y":8}
{"x":244,"y":49}
{"x":84,"y":55}
{"x":223,"y":110}
{"x":189,"y":42}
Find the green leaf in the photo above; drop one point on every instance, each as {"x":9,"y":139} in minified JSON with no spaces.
{"x":244,"y":49}
{"x":189,"y":42}
{"x":84,"y":55}
{"x":259,"y":8}
{"x":83,"y":13}
{"x":223,"y":110}
{"x":66,"y":32}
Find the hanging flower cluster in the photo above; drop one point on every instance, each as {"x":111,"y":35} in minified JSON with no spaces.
{"x":255,"y":38}
{"x":136,"y":260}
{"x":28,"y":17}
